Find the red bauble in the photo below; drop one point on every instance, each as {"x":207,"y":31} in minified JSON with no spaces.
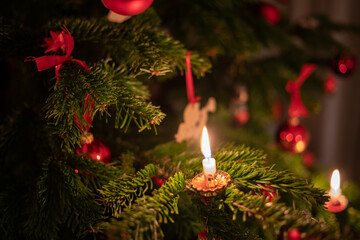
{"x":343,"y":64}
{"x":294,"y":235}
{"x":157,"y":181}
{"x":96,"y":150}
{"x":242,"y":116}
{"x":203,"y":235}
{"x":127,"y":7}
{"x":269,"y":192}
{"x":308,"y":159}
{"x":270,"y":13}
{"x":293,"y":137}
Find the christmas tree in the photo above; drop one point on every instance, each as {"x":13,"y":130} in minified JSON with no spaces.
{"x":102,"y":121}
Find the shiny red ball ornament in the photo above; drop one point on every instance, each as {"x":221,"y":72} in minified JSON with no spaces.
{"x":293,"y":137}
{"x":294,"y":235}
{"x":95,"y":150}
{"x":242,"y":116}
{"x":127,"y":7}
{"x":270,"y":13}
{"x":343,"y":64}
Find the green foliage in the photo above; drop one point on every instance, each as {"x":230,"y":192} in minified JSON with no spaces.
{"x":123,"y":191}
{"x":107,"y":86}
{"x":148,"y":50}
{"x":354,"y":219}
{"x":273,"y":216}
{"x":62,"y":201}
{"x":142,"y":220}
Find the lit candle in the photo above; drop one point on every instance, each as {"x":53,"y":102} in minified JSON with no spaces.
{"x":337,"y":202}
{"x":209,"y":164}
{"x":335,"y":184}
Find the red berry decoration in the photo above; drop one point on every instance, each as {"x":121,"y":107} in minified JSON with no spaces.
{"x":293,"y":137}
{"x":270,"y":13}
{"x":343,"y":64}
{"x":330,"y":84}
{"x":158,"y":181}
{"x":294,"y":235}
{"x":203,"y":235}
{"x":96,"y":150}
{"x":308,"y":159}
{"x":127,"y":7}
{"x":269,"y":192}
{"x":242,"y":116}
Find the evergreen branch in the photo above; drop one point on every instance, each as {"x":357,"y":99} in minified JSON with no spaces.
{"x":93,"y":174}
{"x":122,"y":192}
{"x":240,"y":154}
{"x":145,"y":216}
{"x":275,"y":216}
{"x":62,"y":201}
{"x":107,"y":86}
{"x":256,"y":177}
{"x":136,"y":43}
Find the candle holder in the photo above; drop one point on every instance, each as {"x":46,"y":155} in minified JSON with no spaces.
{"x":336,"y":204}
{"x":210,"y":186}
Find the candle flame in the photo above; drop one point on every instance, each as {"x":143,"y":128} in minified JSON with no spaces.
{"x":335,"y":182}
{"x":205,"y":143}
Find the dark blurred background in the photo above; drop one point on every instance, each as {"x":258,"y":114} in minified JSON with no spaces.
{"x":335,"y":131}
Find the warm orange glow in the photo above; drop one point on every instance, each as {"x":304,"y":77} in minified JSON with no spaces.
{"x":300,"y":146}
{"x":98,"y":157}
{"x":335,"y":182}
{"x":205,"y":143}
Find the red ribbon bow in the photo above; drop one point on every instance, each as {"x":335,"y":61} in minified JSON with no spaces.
{"x":189,"y":81}
{"x":297,"y":108}
{"x":59,"y":40}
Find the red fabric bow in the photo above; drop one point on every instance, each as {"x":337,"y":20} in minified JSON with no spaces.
{"x":189,"y":81}
{"x":297,"y":108}
{"x":88,"y":114}
{"x":59,"y":40}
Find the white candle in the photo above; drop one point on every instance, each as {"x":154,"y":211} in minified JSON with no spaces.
{"x":335,"y":184}
{"x":209,"y":166}
{"x":209,"y":163}
{"x":337,"y":201}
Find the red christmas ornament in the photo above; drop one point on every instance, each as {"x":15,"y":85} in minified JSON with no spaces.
{"x":242,"y":116}
{"x":270,"y":13}
{"x":127,"y":7}
{"x":343,"y":64}
{"x":203,"y":235}
{"x":293,"y":137}
{"x":330,"y":84}
{"x":308,"y":159}
{"x":294,"y":235}
{"x":157,"y":181}
{"x":269,"y":192}
{"x":95,"y":149}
